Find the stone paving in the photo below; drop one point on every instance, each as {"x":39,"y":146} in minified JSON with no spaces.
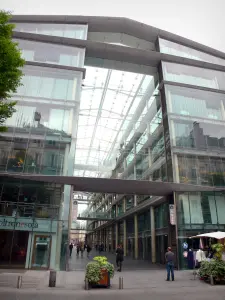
{"x":138,"y":276}
{"x":79,"y":263}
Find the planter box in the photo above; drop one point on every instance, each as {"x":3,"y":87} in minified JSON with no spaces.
{"x":104,"y":282}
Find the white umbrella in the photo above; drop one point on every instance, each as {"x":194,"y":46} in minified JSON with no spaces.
{"x":216,"y":235}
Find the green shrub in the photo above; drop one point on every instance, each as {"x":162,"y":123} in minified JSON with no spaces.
{"x":215,"y":267}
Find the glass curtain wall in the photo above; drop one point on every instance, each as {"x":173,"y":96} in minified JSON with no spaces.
{"x":51,"y":53}
{"x":172,"y":48}
{"x":75,"y":31}
{"x":40,"y":132}
{"x":197,"y":122}
{"x":193,"y":75}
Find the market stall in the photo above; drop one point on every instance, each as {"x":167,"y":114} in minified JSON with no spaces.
{"x":211,"y":264}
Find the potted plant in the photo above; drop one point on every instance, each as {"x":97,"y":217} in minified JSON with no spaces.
{"x":99,"y":272}
{"x":214,"y":268}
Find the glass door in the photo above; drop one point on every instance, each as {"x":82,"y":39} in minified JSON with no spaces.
{"x":41,"y":252}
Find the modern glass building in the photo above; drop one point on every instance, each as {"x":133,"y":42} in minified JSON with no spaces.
{"x":111,"y":98}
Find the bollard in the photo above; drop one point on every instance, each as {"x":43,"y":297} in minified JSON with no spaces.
{"x":120,"y":283}
{"x":195,"y":274}
{"x":52,"y":279}
{"x":19,"y":282}
{"x":86,"y":284}
{"x":211,"y":280}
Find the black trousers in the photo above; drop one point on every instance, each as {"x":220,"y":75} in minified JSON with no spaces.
{"x":119,"y":264}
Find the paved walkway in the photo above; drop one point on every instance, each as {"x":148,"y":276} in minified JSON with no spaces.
{"x":138,"y":276}
{"x":79,"y":263}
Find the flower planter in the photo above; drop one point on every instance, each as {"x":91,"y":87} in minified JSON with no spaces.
{"x":99,"y":272}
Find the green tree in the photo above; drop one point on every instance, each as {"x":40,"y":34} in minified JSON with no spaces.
{"x":11,"y":64}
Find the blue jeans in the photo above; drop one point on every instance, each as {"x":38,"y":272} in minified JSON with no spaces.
{"x":170,"y":269}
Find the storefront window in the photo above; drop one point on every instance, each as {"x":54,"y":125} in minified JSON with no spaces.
{"x":197,"y":213}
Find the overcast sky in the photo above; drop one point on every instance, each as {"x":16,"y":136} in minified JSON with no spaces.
{"x":200,"y":20}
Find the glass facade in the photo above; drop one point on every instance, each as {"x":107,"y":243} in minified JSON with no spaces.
{"x":193,"y":76}
{"x":159,"y":125}
{"x":40,"y":132}
{"x":51,"y":53}
{"x":75,"y":31}
{"x":172,"y":48}
{"x":41,"y":139}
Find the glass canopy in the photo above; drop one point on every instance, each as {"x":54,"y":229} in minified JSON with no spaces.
{"x":109,"y":101}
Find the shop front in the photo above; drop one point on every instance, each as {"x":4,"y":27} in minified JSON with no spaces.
{"x":197,"y":213}
{"x":27,"y":243}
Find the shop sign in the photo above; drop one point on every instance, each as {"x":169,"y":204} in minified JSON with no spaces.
{"x":172,"y":214}
{"x":25,"y":224}
{"x":17,"y":224}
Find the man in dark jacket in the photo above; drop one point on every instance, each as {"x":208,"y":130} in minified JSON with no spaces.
{"x":119,"y":257}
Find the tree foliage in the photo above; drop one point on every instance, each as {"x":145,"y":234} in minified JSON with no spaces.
{"x":11,"y":64}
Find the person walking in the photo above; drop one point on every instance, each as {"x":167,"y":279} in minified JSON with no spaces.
{"x":78,"y":249}
{"x":88,"y":250}
{"x":119,"y":257}
{"x":169,"y":256}
{"x":82,"y":249}
{"x":71,"y":248}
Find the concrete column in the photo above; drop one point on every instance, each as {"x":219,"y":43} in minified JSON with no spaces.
{"x":135,"y":200}
{"x":153,"y":245}
{"x":117,"y":234}
{"x":125,"y":237}
{"x":135,"y":236}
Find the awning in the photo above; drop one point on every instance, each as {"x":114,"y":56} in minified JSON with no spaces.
{"x":216,"y":235}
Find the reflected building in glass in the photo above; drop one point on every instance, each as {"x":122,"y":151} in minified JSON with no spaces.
{"x":111,"y":98}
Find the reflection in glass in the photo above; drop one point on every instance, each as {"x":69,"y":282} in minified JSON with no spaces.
{"x":201,"y":170}
{"x":200,"y":208}
{"x":172,"y":48}
{"x":200,"y":135}
{"x":75,"y":31}
{"x":193,"y":76}
{"x":51,"y":53}
{"x":194,"y":103}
